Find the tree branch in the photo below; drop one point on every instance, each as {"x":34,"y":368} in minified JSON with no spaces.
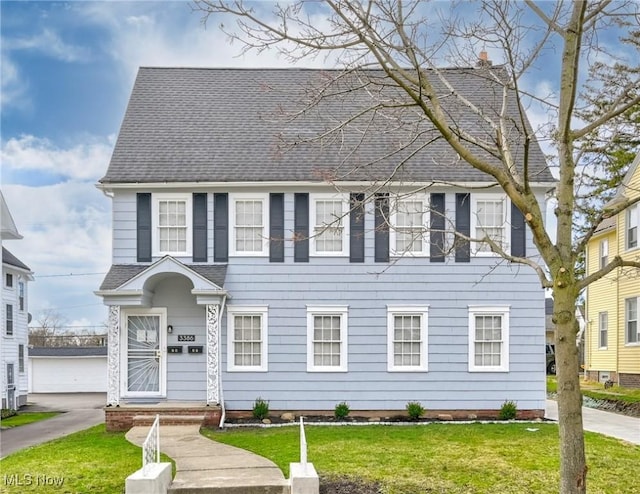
{"x":617,"y":262}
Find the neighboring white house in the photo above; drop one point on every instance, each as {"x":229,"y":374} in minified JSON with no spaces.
{"x":68,"y":369}
{"x":15,"y":316}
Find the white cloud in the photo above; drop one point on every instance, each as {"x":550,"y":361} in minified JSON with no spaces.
{"x":66,"y":230}
{"x":14,"y":87}
{"x":84,"y":161}
{"x":51,"y":44}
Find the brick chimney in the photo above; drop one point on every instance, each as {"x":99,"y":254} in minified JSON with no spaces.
{"x":483,"y":60}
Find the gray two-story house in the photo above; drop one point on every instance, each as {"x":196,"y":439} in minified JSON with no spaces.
{"x":269,"y":243}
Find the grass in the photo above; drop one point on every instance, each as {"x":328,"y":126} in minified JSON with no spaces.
{"x":91,"y":461}
{"x":596,"y":391}
{"x":439,"y":458}
{"x":25,"y":418}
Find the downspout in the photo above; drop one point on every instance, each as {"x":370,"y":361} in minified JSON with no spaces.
{"x":223,"y":413}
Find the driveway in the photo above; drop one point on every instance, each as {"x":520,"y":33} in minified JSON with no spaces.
{"x":607,"y":423}
{"x":81,"y":411}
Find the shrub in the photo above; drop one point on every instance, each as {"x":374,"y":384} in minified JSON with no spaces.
{"x":341,"y":410}
{"x":260,"y":408}
{"x":508,"y":410}
{"x":8,"y":412}
{"x":415,"y":410}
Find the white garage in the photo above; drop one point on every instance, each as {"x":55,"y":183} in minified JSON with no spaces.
{"x":68,"y":370}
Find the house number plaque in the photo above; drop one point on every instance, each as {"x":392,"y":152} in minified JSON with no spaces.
{"x":186,"y":337}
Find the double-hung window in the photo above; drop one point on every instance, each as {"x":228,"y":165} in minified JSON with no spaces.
{"x":327,"y":339}
{"x":247,"y":338}
{"x":407,"y":348}
{"x":249,"y":225}
{"x":603,"y":329}
{"x":21,"y":358}
{"x":489,"y":339}
{"x":172,"y":224}
{"x":631,"y":320}
{"x":604,"y":252}
{"x":408,"y":233}
{"x":490,"y":218}
{"x":8,"y":316}
{"x":21,"y":295}
{"x":329,"y":214}
{"x":633,"y":223}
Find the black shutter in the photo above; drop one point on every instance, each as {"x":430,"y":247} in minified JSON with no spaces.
{"x":437,"y":228}
{"x":463,"y":226}
{"x":381,"y":245}
{"x":518,"y":233}
{"x":356,"y":235}
{"x":200,"y":227}
{"x":220,"y":227}
{"x":301,"y":227}
{"x":143,"y":227}
{"x":276,"y":227}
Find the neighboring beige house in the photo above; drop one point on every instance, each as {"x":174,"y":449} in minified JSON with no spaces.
{"x":15,"y":316}
{"x":613,"y":331}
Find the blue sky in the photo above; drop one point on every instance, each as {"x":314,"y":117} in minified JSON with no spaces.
{"x":67,"y":72}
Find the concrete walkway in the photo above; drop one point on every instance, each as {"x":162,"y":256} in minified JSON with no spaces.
{"x":81,"y":411}
{"x":607,"y":423}
{"x":203,"y":465}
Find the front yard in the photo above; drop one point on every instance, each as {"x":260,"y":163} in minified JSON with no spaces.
{"x":436,"y":458}
{"x":24,"y":418}
{"x":443,"y":458}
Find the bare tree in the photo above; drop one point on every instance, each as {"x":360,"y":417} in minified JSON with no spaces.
{"x":408,"y":41}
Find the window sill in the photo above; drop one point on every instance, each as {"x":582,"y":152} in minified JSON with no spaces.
{"x":489,"y":369}
{"x":412,"y":370}
{"x":247,"y":369}
{"x":325,"y":370}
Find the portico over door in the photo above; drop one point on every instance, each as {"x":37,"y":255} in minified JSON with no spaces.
{"x":144,"y":345}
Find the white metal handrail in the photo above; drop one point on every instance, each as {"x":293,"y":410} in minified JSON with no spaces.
{"x":303,"y":445}
{"x":151,"y":445}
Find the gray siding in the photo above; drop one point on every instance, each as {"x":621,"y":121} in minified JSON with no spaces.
{"x":367,"y":288}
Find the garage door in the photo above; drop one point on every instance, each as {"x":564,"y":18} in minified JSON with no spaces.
{"x":68,"y":374}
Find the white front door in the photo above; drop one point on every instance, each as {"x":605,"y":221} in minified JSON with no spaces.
{"x":144,"y":355}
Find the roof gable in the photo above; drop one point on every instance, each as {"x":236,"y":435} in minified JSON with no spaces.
{"x":230,"y":125}
{"x":8,"y":229}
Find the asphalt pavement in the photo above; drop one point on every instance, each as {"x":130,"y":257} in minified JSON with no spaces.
{"x":80,"y":411}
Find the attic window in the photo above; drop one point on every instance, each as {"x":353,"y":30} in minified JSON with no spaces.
{"x":8,"y":281}
{"x":632,"y":227}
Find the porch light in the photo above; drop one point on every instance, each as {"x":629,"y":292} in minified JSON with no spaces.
{"x":169,"y":328}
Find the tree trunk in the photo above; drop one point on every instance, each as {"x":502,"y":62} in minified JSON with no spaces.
{"x":573,"y":469}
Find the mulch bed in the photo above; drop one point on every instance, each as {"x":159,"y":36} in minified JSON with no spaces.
{"x":347,"y":485}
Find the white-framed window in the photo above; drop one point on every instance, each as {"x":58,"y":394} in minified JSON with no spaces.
{"x":488,"y":339}
{"x":490,"y":217}
{"x":8,"y":280}
{"x":21,"y":295}
{"x":633,"y":224}
{"x":249,"y":225}
{"x":8,"y":319}
{"x":172,"y":224}
{"x":604,"y":252}
{"x":603,"y":329}
{"x":407,"y":338}
{"x":408,"y":232}
{"x":21,"y":358}
{"x":247,"y":338}
{"x":632,"y":330}
{"x":329,"y":220}
{"x":327,"y":338}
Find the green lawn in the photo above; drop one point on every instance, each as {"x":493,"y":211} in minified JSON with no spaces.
{"x":445,"y":458}
{"x":92,"y":461}
{"x":26,"y":418}
{"x":436,"y":458}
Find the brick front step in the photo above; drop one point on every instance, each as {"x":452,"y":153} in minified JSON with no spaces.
{"x":168,"y":419}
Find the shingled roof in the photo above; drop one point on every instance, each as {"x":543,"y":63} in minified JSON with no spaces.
{"x":235,"y":125}
{"x":10,"y":259}
{"x":121,"y":273}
